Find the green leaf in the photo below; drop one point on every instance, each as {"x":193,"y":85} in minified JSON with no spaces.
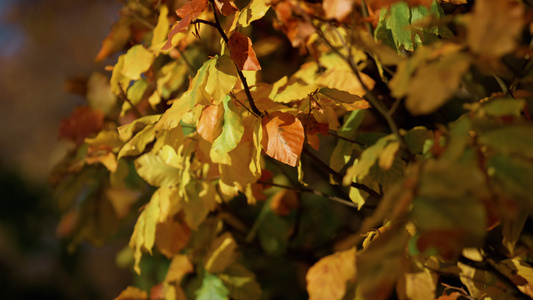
{"x":515,"y":139}
{"x":361,"y":167}
{"x":137,"y":61}
{"x":241,"y":283}
{"x":504,"y":107}
{"x":398,"y":20}
{"x":221,"y":79}
{"x":514,"y":175}
{"x":159,"y":169}
{"x":232,"y":132}
{"x":212,"y":289}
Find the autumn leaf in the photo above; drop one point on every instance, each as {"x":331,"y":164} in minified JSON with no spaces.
{"x":171,"y":237}
{"x":82,"y":123}
{"x":255,"y":10}
{"x":212,"y":288}
{"x":210,"y":123}
{"x":284,"y":202}
{"x":242,"y":52}
{"x":221,"y":78}
{"x":137,"y":60}
{"x":188,"y":13}
{"x":179,"y":267}
{"x":232,"y":132}
{"x":494,"y":26}
{"x":115,"y":40}
{"x":226,"y":7}
{"x":132,"y":293}
{"x":328,"y":277}
{"x":221,"y":254}
{"x":337,"y":9}
{"x":283,"y":137}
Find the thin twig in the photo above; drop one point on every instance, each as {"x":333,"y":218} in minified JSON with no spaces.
{"x":338,"y":176}
{"x":369,"y":96}
{"x":309,"y":190}
{"x":217,"y":25}
{"x":332,"y":133}
{"x":124,"y":97}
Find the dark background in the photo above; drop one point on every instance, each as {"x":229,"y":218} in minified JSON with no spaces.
{"x":42,"y":44}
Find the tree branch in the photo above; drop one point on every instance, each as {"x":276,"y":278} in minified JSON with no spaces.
{"x":218,"y":27}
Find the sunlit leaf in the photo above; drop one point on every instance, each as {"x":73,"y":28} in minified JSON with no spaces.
{"x":255,"y":10}
{"x":327,"y":278}
{"x":210,"y":123}
{"x":283,"y":137}
{"x":161,"y":29}
{"x":171,"y":236}
{"x":188,"y":13}
{"x":231,"y":134}
{"x":226,"y":7}
{"x":242,"y":52}
{"x":137,"y":61}
{"x":159,"y":169}
{"x":132,"y":293}
{"x":212,"y":288}
{"x":221,"y":78}
{"x":221,"y":254}
{"x":179,"y":267}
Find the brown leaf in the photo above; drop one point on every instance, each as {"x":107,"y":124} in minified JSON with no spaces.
{"x":452,"y":296}
{"x":226,"y":7}
{"x":83,"y":122}
{"x":495,"y":26}
{"x":210,"y":123}
{"x":327,"y":278}
{"x":188,"y":13}
{"x":284,"y":202}
{"x":171,"y":237}
{"x":242,"y":52}
{"x":283,"y":137}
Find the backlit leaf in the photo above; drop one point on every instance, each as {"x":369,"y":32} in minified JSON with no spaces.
{"x":212,"y":289}
{"x":337,"y":9}
{"x":242,"y":52}
{"x":161,"y":29}
{"x":226,"y":7}
{"x":328,"y":277}
{"x":137,"y":61}
{"x":221,"y":254}
{"x":159,"y":169}
{"x":210,"y":123}
{"x":283,"y":137}
{"x":179,"y":267}
{"x":255,"y":10}
{"x":231,"y":134}
{"x":188,"y":13}
{"x":132,"y":293}
{"x":221,"y":78}
{"x":115,"y":40}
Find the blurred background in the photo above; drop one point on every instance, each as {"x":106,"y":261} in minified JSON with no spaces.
{"x":42,"y":44}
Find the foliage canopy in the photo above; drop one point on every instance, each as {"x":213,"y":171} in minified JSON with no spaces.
{"x":335,"y":149}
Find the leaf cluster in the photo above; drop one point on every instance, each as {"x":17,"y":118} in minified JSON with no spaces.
{"x":335,"y":149}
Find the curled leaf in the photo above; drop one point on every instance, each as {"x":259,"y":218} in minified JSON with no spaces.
{"x":242,"y":52}
{"x":283,"y":137}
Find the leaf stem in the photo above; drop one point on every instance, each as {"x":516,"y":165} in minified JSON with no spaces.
{"x":217,"y":25}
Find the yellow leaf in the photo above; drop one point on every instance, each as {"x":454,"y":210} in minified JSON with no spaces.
{"x":179,"y":267}
{"x":221,"y":78}
{"x":161,"y":29}
{"x":221,"y":253}
{"x":255,"y":10}
{"x":327,"y":278}
{"x":132,"y":293}
{"x":435,"y":82}
{"x":494,"y":26}
{"x":137,"y":61}
{"x":122,"y":199}
{"x":420,"y":285}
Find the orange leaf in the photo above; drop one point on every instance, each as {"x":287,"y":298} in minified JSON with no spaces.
{"x":452,"y":296}
{"x":242,"y":53}
{"x":327,"y":278}
{"x":83,"y":122}
{"x":188,"y":13}
{"x":337,"y":9}
{"x":284,"y":202}
{"x":210,"y":123}
{"x":226,"y":7}
{"x":171,"y":237}
{"x":283,"y":137}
